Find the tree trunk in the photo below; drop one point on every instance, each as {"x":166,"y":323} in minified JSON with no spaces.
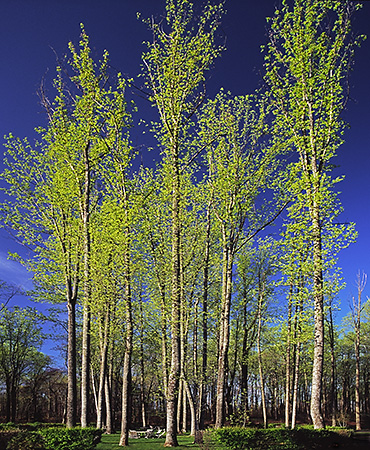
{"x":333,"y":390}
{"x":126,"y":375}
{"x":86,"y":356}
{"x":202,"y":390}
{"x":173,"y":381}
{"x":318,"y":358}
{"x":287,"y":367}
{"x":71,"y":408}
{"x":193,"y":426}
{"x":103,"y":371}
{"x":142,"y":365}
{"x":108,"y":405}
{"x":259,"y":355}
{"x":224,"y":334}
{"x":295,"y":387}
{"x":85,"y":366}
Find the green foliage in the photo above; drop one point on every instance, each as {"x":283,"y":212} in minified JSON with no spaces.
{"x":26,"y":440}
{"x":237,"y":438}
{"x":8,"y":426}
{"x":55,"y":438}
{"x":70,"y":439}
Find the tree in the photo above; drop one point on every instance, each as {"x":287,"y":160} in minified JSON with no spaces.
{"x":20,"y":340}
{"x":176,"y":62}
{"x":307,"y":60}
{"x":230,"y":129}
{"x":53,"y":190}
{"x":356,"y":318}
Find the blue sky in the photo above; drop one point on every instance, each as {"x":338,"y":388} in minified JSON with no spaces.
{"x":33,"y":32}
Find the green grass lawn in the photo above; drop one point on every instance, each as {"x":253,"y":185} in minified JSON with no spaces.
{"x":110,"y":442}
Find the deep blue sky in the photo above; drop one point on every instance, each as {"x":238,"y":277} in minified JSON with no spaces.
{"x":32,"y":32}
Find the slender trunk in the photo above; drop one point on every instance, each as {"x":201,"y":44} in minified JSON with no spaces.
{"x":224,"y":334}
{"x":126,"y":375}
{"x":357,"y":382}
{"x":184,"y":409}
{"x":318,"y":358}
{"x":259,"y":354}
{"x":195,"y":353}
{"x":173,"y":380}
{"x":295,"y":387}
{"x":333,"y":391}
{"x":93,"y":384}
{"x":179,"y":406}
{"x":108,"y":405}
{"x":203,"y":391}
{"x":86,"y":356}
{"x":142,"y":366}
{"x":287,"y":366}
{"x":249,"y":334}
{"x":193,"y":426}
{"x":164,"y":341}
{"x":85,"y":366}
{"x":109,"y":391}
{"x":103,"y":373}
{"x":71,"y":409}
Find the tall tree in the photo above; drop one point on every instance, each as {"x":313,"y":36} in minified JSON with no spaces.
{"x":307,"y":60}
{"x":176,"y":62}
{"x":54,"y":189}
{"x":230,"y":129}
{"x":357,"y":307}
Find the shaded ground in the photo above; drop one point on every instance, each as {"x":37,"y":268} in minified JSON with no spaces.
{"x":110,"y":442}
{"x":359,"y":441}
{"x":340,"y":440}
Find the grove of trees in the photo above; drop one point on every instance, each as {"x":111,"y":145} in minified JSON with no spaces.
{"x":176,"y":305}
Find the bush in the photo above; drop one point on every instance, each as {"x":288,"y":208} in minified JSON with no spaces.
{"x":26,"y":440}
{"x":8,"y":426}
{"x":70,"y":438}
{"x":252,"y":438}
{"x":6,"y":436}
{"x":236,"y":438}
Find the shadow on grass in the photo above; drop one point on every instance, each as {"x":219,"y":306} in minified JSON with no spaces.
{"x":110,"y":442}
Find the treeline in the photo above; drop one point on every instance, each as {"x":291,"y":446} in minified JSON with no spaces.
{"x":173,"y":288}
{"x":41,"y":390}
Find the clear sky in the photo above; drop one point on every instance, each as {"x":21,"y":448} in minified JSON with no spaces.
{"x":34,"y":32}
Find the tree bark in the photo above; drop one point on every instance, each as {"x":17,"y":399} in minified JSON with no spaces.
{"x":259,"y":353}
{"x":126,"y":375}
{"x":86,"y":356}
{"x":173,"y":380}
{"x":103,"y":369}
{"x":202,"y":390}
{"x":224,"y":334}
{"x":288,"y":365}
{"x":318,"y":358}
{"x":71,"y":409}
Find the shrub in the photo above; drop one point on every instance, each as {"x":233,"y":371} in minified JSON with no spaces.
{"x":282,"y":438}
{"x":70,"y":438}
{"x":252,"y":438}
{"x":26,"y":440}
{"x":8,"y":426}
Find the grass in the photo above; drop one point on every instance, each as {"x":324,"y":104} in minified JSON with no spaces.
{"x":110,"y":442}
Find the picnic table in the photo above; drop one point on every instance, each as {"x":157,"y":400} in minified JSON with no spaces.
{"x":148,"y":433}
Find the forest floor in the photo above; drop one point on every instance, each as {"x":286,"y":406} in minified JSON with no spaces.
{"x":360,"y":441}
{"x":110,"y":442}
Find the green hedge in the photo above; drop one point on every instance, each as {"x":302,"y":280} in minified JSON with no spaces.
{"x":237,"y":438}
{"x":56,"y":438}
{"x":70,"y":438}
{"x":251,"y":438}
